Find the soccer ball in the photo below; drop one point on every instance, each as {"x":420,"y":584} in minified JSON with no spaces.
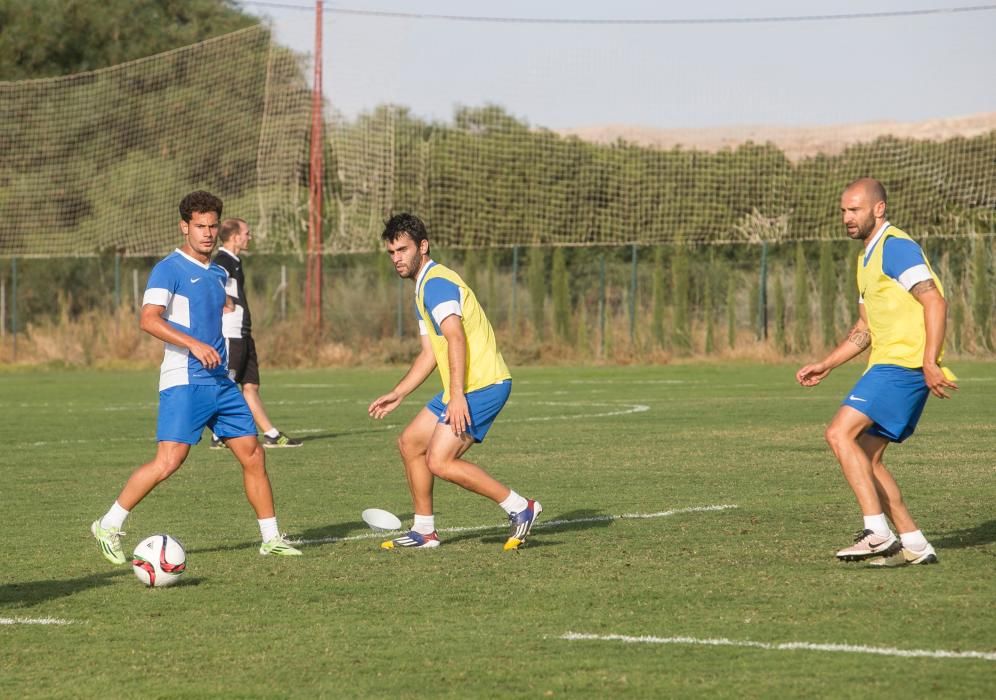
{"x":159,"y":560}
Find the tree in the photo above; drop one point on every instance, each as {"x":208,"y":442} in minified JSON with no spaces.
{"x":46,"y":38}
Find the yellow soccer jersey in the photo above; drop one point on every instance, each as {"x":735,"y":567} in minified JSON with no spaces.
{"x":440,"y":292}
{"x":887,"y":269}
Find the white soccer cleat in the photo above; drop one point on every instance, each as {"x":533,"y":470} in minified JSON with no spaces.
{"x":867,"y":544}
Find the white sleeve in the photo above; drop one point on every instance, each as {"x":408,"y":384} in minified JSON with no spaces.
{"x":445,"y":309}
{"x":422,"y":330}
{"x":158,"y":297}
{"x":914,"y":276}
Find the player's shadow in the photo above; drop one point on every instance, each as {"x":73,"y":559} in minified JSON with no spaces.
{"x":333,"y":435}
{"x":333,"y":531}
{"x":984,"y":533}
{"x":582,"y":519}
{"x":25,"y":594}
{"x":224,"y":548}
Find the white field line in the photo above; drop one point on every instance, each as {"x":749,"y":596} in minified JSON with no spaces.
{"x":33,"y":621}
{"x":624,"y":409}
{"x":784,"y":646}
{"x":539,"y":526}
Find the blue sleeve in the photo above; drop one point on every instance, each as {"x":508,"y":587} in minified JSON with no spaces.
{"x":439,"y":291}
{"x":899,"y":255}
{"x":162,"y":277}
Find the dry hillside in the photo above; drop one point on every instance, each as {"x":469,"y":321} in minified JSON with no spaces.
{"x":795,"y":142}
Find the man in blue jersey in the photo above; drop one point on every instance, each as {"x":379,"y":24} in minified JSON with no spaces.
{"x":183,"y":306}
{"x":902,"y":316}
{"x":457,"y":337}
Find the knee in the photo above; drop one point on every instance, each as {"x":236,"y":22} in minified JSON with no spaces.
{"x":255,"y":461}
{"x":835,"y":436}
{"x":164,"y":468}
{"x":438,"y":465}
{"x":407,"y":446}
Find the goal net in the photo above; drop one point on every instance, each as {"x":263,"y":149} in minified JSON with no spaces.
{"x":98,"y":161}
{"x":449,"y":119}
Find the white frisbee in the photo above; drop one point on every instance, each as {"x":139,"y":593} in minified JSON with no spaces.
{"x":380,"y":520}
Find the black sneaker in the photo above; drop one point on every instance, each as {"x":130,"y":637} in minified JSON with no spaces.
{"x":281,"y":440}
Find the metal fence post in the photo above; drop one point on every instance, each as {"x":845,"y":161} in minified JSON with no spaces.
{"x":601,"y":302}
{"x":401,"y":303}
{"x":515,"y":283}
{"x":762,"y":295}
{"x":13,"y":303}
{"x":632,"y":299}
{"x":117,"y":280}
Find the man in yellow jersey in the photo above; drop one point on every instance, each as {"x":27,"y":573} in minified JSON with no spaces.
{"x":902,"y":318}
{"x":457,"y":337}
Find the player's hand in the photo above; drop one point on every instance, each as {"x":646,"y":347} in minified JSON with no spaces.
{"x":207,"y":355}
{"x":458,"y":414}
{"x":811,"y":375}
{"x":938,"y":382}
{"x":383,"y":405}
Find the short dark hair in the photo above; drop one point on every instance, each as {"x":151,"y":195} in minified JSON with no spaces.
{"x":200,"y":202}
{"x":230,"y":227}
{"x":401,"y":224}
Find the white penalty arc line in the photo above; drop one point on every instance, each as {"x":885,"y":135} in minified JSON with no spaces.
{"x":784,"y":646}
{"x":539,"y":526}
{"x":625,"y":409}
{"x":34,"y":621}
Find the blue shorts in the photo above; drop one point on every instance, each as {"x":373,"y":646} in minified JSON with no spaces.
{"x":893,"y":397}
{"x":185,"y":410}
{"x":484,"y":404}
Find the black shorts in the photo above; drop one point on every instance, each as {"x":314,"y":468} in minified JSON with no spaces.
{"x":243,"y":367}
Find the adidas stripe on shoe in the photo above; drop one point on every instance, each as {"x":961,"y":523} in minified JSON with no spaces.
{"x":413,"y":540}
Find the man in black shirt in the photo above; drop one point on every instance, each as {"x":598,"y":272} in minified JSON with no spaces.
{"x":236,"y":326}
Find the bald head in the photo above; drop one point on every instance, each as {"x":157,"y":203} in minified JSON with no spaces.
{"x":870,"y":187}
{"x":862,"y":206}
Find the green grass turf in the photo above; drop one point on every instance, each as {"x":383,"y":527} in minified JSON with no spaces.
{"x":466,"y":620}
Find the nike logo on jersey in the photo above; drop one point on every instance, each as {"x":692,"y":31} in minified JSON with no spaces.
{"x":852,"y":397}
{"x":195,"y":280}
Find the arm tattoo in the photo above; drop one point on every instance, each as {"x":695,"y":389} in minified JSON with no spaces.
{"x":861,"y":338}
{"x":922,"y":288}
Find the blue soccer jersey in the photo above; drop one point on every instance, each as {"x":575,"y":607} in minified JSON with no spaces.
{"x":194,"y":296}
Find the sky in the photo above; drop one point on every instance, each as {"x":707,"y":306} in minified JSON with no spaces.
{"x":669,"y":74}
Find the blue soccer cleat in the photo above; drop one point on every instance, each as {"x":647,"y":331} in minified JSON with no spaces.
{"x":521,"y":524}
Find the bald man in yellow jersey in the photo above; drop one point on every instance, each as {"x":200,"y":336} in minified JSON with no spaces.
{"x":456,"y":337}
{"x":902,"y":318}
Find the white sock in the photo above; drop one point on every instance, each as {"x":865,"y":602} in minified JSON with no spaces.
{"x":514,"y":503}
{"x":878,"y":524}
{"x":115,"y":517}
{"x":424,"y":524}
{"x":268,"y":528}
{"x":272,"y":433}
{"x":913,"y":540}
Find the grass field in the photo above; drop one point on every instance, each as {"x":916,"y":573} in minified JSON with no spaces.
{"x":686,"y":600}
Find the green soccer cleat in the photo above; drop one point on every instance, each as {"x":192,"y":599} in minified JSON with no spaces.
{"x":110,"y":542}
{"x":279,"y":545}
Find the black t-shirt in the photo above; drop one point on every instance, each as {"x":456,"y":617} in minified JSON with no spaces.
{"x":230,"y":322}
